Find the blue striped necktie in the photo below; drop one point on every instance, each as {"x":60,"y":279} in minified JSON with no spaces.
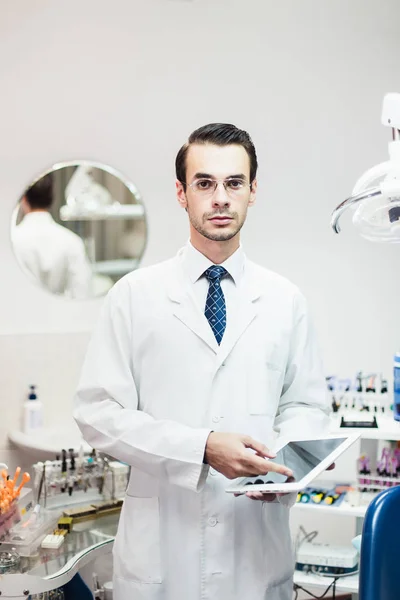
{"x":215,"y":310}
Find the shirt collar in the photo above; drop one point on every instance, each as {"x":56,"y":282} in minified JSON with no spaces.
{"x":195,"y":263}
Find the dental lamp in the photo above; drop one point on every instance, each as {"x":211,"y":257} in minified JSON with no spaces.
{"x":375,"y":199}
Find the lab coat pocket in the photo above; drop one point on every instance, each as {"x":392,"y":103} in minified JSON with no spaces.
{"x":137,"y":546}
{"x":264,"y":389}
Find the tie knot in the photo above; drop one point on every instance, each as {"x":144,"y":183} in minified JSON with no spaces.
{"x":215,"y":272}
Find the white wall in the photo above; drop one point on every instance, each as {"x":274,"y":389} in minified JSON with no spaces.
{"x":125,"y":82}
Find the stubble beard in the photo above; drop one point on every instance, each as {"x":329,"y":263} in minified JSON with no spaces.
{"x":217,"y":236}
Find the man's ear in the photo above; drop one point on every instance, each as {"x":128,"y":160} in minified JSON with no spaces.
{"x":181,"y":194}
{"x":253,"y":193}
{"x":24,"y":205}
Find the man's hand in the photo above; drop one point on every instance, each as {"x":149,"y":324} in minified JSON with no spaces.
{"x":270,"y":497}
{"x":267,"y":497}
{"x":228,"y":454}
{"x":262,"y":496}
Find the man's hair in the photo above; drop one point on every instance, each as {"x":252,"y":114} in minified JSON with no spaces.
{"x":220,"y":134}
{"x":40,"y":194}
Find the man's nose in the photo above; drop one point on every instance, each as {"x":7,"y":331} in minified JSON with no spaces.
{"x":220,"y":196}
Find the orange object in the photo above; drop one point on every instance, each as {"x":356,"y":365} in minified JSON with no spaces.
{"x":4,"y":492}
{"x":25,"y":478}
{"x":8,"y":493}
{"x":4,"y":476}
{"x":17,"y":472}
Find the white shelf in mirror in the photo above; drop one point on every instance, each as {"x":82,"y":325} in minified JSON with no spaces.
{"x":104,"y":213}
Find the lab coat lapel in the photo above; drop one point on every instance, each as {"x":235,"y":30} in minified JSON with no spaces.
{"x":239,"y":316}
{"x":186,"y":309}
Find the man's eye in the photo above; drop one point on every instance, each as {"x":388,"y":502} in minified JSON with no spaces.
{"x":235,"y":184}
{"x":204,"y":184}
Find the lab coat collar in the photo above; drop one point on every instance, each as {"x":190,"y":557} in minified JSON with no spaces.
{"x":37,"y":216}
{"x":242,"y":311}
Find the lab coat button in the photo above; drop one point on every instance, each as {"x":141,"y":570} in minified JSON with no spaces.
{"x":213,"y":472}
{"x":212,"y":521}
{"x":215,"y":419}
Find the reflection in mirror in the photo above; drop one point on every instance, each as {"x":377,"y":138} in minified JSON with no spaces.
{"x":79,"y":228}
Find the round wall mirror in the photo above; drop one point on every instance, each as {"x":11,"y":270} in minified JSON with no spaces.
{"x":79,"y":228}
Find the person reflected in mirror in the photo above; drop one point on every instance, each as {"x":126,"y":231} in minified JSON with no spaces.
{"x":53,"y":254}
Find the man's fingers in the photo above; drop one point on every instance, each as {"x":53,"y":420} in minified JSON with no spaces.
{"x":260,"y":448}
{"x":279,"y":469}
{"x":254,"y":495}
{"x":261,"y":496}
{"x":255,"y":465}
{"x":269,"y":497}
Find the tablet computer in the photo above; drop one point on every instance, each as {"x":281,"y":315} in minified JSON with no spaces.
{"x":307,"y":458}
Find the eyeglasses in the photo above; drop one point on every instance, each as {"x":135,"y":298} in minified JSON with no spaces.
{"x":207,"y":187}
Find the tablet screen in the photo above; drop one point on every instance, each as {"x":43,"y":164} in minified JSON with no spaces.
{"x":301,"y":457}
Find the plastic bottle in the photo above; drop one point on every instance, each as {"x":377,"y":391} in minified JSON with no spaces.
{"x":396,"y":386}
{"x":33,"y":412}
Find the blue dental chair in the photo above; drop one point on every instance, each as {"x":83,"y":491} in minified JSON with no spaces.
{"x":76,"y":589}
{"x":380,"y":548}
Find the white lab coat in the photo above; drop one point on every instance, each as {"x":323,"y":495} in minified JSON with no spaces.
{"x":153,"y":385}
{"x":53,"y":255}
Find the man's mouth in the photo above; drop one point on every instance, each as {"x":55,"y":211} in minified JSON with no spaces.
{"x":221,"y":219}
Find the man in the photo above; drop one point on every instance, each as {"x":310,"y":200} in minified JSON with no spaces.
{"x":194,"y":364}
{"x":55,"y":256}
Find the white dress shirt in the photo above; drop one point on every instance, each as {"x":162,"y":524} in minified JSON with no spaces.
{"x":195,"y":264}
{"x":53,"y":254}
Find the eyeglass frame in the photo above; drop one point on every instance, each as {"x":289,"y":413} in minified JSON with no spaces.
{"x":217,"y":182}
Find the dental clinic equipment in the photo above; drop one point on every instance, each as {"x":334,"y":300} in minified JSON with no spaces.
{"x":385,"y":475}
{"x":81,"y":477}
{"x":75,"y":487}
{"x":375,"y":199}
{"x":15,"y":505}
{"x":8,"y":491}
{"x":360,"y":401}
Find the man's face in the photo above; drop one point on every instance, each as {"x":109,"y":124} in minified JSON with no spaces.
{"x":217,"y":214}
